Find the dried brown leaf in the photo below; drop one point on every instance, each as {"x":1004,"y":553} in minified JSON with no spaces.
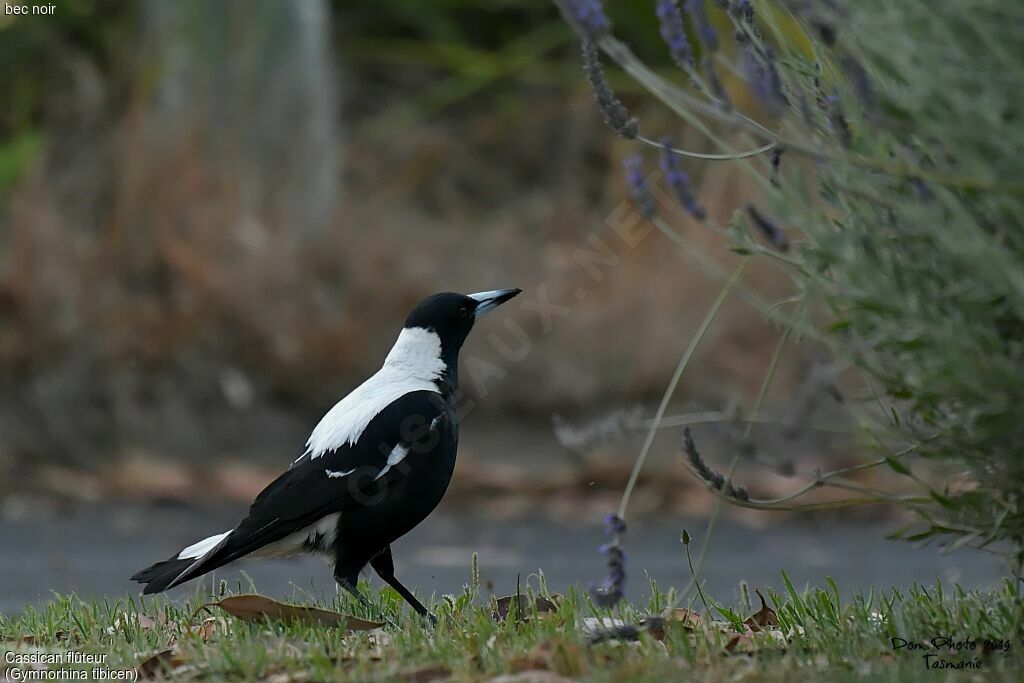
{"x":680,"y":617}
{"x":424,"y":674}
{"x":540,"y":676}
{"x":161,"y":661}
{"x":252,"y":607}
{"x":741,"y":643}
{"x":208,"y":628}
{"x":145,"y":623}
{"x":763,"y":618}
{"x":509,"y":604}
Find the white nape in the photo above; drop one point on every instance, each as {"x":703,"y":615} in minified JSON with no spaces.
{"x":197,"y":550}
{"x":414,"y":364}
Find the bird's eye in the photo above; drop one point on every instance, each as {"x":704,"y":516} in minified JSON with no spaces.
{"x":463,"y":312}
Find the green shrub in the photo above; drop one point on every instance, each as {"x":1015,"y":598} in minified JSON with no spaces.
{"x":902,"y":192}
{"x":925,"y":271}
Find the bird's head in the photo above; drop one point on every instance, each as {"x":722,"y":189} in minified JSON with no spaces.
{"x":451,"y":316}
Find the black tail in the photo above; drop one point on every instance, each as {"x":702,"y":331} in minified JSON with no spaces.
{"x":217,"y":551}
{"x":169,"y":573}
{"x":159,"y":577}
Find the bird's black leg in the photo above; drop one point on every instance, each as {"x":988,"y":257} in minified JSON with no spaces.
{"x":348,"y":582}
{"x":384,"y":565}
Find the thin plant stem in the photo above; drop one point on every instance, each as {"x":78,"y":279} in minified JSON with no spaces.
{"x":712,"y":521}
{"x":717,"y":416}
{"x":670,"y":389}
{"x":706,"y":156}
{"x":693,"y":575}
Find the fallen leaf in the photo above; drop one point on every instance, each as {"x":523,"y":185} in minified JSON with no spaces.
{"x":752,"y":642}
{"x":680,"y":617}
{"x":161,"y":661}
{"x":145,"y":623}
{"x":508,"y":604}
{"x":741,"y":643}
{"x":531,"y":677}
{"x":209,"y":627}
{"x":252,"y":607}
{"x":764,"y":617}
{"x":425,"y":673}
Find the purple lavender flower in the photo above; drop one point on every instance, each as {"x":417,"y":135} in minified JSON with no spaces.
{"x":699,"y":15}
{"x":704,"y":471}
{"x":772,"y":232}
{"x":744,"y":11}
{"x":673,"y":33}
{"x":679,"y":181}
{"x":589,"y":15}
{"x":613,"y":524}
{"x":615,"y":114}
{"x":762,"y":74}
{"x":776,"y":164}
{"x":638,"y":187}
{"x":610,"y":592}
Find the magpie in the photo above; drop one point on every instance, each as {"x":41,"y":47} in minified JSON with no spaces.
{"x":373,"y":468}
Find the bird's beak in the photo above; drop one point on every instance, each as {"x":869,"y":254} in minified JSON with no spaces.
{"x":488,"y":301}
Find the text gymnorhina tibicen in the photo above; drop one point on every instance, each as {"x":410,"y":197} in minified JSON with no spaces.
{"x":374,"y":467}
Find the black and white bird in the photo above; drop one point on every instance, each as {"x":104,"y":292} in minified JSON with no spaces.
{"x":374,"y":467}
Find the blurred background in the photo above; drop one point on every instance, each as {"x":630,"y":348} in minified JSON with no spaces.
{"x":215,"y":216}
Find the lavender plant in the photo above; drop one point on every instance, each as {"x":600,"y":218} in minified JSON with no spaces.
{"x":905,"y":181}
{"x":610,"y":592}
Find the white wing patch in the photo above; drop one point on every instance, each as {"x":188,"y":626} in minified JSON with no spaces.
{"x":396,"y":456}
{"x":197,"y":550}
{"x":414,"y":364}
{"x":332,"y":474}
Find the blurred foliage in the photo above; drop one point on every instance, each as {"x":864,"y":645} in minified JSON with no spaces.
{"x":34,"y":52}
{"x":37,"y":61}
{"x":898,"y":126}
{"x":920,"y":254}
{"x":38,"y":53}
{"x":16,"y":154}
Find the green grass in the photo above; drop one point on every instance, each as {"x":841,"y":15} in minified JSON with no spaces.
{"x":820,"y":636}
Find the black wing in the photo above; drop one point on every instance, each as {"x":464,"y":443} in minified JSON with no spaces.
{"x":315,"y":487}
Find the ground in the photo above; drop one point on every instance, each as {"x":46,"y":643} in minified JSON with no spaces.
{"x":810,"y":636}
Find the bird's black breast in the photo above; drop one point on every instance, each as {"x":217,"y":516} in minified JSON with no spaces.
{"x":380,"y":487}
{"x":391,"y":506}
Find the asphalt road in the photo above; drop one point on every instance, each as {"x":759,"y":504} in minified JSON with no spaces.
{"x":92,"y":550}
